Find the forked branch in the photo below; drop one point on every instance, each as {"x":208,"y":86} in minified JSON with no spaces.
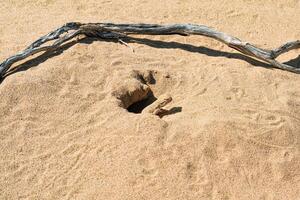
{"x":118,"y":31}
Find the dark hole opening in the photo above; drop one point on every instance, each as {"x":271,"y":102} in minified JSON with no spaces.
{"x":139,"y":106}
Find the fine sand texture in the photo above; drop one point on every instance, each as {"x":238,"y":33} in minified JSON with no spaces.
{"x":231,"y":131}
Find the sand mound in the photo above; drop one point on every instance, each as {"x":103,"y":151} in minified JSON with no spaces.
{"x":71,"y":125}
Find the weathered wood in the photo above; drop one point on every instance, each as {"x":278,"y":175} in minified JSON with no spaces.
{"x":118,"y":31}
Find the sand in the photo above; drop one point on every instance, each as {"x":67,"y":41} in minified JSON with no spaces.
{"x":232,"y":132}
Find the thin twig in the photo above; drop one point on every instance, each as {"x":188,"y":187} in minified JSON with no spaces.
{"x":118,"y":31}
{"x":126,"y":44}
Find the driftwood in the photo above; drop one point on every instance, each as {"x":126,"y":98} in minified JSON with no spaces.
{"x":119,"y":31}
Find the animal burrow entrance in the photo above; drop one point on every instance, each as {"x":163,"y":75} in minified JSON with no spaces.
{"x":135,"y":93}
{"x":139,"y":106}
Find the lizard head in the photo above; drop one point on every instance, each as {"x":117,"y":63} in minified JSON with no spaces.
{"x":165,"y":99}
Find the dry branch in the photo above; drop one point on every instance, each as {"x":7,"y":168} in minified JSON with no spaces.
{"x":118,"y":31}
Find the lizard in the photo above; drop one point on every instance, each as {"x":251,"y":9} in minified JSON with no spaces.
{"x":156,"y":107}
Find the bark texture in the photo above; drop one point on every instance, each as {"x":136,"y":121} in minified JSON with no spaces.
{"x":119,"y":31}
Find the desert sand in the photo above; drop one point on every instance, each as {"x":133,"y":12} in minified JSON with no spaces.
{"x":233,"y":130}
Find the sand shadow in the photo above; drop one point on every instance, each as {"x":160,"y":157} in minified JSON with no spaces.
{"x":34,"y":62}
{"x":199,"y":49}
{"x":40,"y":59}
{"x":172,"y":111}
{"x":139,"y":106}
{"x":149,"y":42}
{"x":188,"y":47}
{"x":294,"y":62}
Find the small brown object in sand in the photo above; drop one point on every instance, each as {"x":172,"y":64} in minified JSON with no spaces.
{"x":156,"y":108}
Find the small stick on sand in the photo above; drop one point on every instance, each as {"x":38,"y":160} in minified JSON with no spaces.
{"x":126,"y":44}
{"x":118,"y":31}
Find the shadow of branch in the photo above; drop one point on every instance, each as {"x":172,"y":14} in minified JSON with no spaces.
{"x":150,"y":42}
{"x":39,"y":59}
{"x":201,"y":50}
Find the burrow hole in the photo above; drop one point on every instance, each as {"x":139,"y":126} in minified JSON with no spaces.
{"x":139,"y":106}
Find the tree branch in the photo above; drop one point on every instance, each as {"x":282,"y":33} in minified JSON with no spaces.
{"x":117,"y":31}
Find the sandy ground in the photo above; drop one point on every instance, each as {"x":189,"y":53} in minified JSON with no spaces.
{"x":233,"y":131}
